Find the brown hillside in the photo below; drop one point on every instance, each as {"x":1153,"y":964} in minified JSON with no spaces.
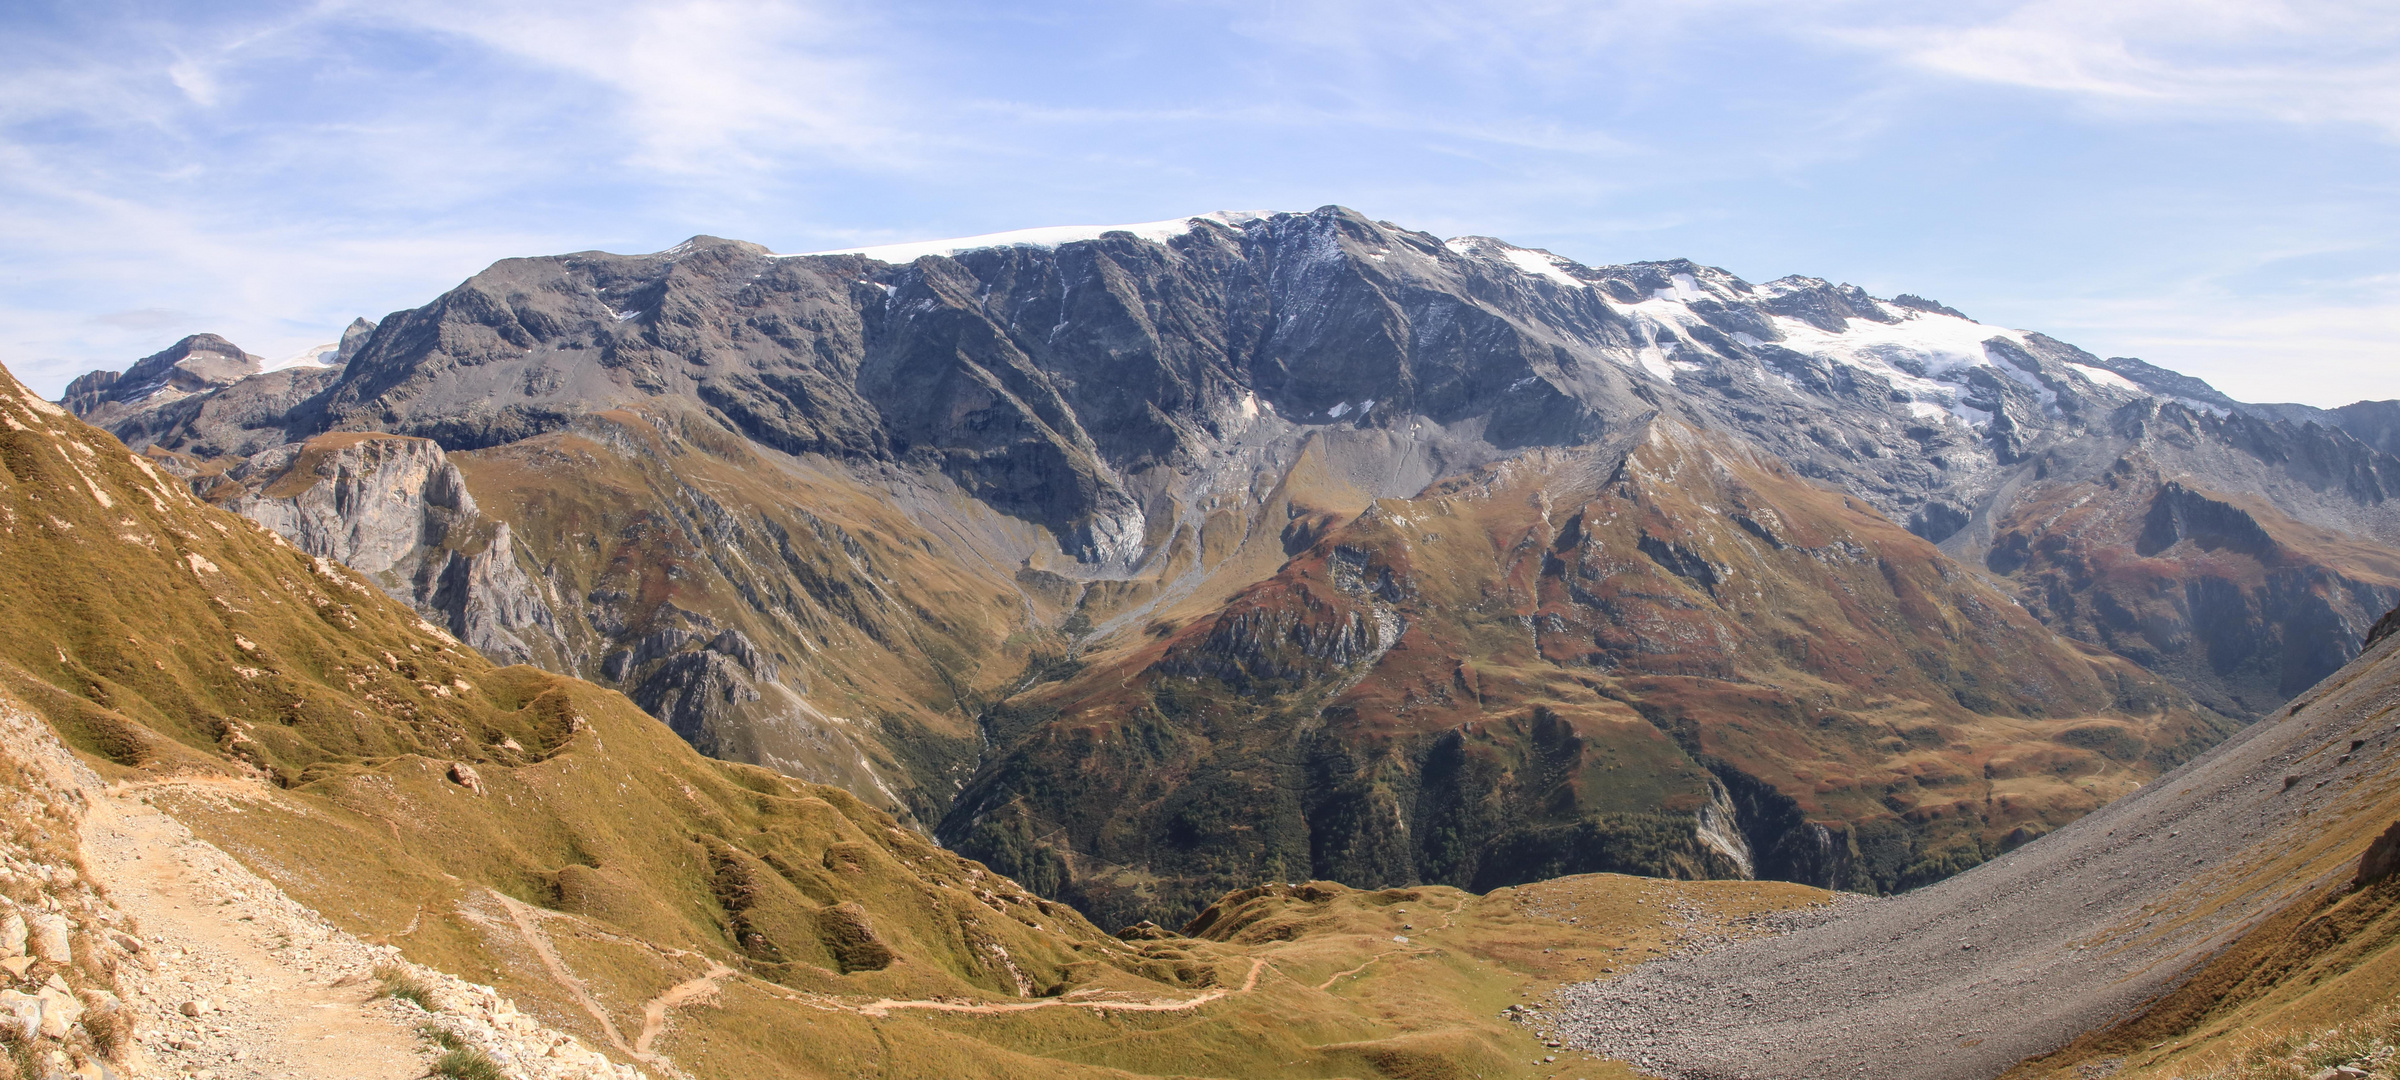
{"x":2205,"y":917}
{"x":2221,"y":592}
{"x":1675,"y":658}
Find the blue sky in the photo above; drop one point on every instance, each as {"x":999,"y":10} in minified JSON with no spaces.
{"x":2208,"y":185}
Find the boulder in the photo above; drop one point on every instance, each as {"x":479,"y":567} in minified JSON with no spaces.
{"x":50,"y":939}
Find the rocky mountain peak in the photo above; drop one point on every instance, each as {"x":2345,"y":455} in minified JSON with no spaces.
{"x":198,"y":363}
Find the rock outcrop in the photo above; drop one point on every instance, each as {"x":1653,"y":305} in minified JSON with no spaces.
{"x":395,"y":509}
{"x":2380,"y":859}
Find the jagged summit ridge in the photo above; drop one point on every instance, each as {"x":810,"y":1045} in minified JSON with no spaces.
{"x":1042,"y":237}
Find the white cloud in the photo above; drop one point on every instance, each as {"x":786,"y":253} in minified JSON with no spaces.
{"x":704,"y":87}
{"x":2297,"y":61}
{"x":196,"y":82}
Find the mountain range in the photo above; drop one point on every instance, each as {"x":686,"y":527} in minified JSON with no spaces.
{"x":1148,"y":563}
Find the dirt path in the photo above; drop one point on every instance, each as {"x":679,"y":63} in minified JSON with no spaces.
{"x":654,"y":1012}
{"x":528,"y":920}
{"x":291,"y":994}
{"x":885,"y":1006}
{"x":1371,"y":961}
{"x":1449,"y":919}
{"x":525,"y":917}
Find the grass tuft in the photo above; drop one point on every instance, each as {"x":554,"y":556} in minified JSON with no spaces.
{"x":111,"y":1030}
{"x":467,"y":1063}
{"x":459,"y":1061}
{"x":395,"y":981}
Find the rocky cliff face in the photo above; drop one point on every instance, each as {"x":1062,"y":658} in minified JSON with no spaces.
{"x":2244,"y":583}
{"x":395,"y":509}
{"x":928,"y":493}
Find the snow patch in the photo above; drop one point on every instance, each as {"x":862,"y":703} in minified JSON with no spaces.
{"x":2104,"y":377}
{"x":1540,"y":264}
{"x":1684,"y":287}
{"x":1943,"y":347}
{"x":1046,"y":237}
{"x":326,"y":355}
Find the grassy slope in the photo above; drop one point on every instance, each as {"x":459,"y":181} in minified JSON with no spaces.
{"x":892,"y":647}
{"x":481,"y":818}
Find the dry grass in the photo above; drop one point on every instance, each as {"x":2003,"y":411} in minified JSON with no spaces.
{"x":460,"y":1061}
{"x":2370,"y":1044}
{"x":394,"y":981}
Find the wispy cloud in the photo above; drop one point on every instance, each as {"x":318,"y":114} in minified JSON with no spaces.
{"x":145,"y":320}
{"x":704,"y":87}
{"x":2295,"y":61}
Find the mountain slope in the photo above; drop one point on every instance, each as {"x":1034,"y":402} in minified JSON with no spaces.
{"x":1075,"y":447}
{"x":1673,"y":658}
{"x":543,"y":838}
{"x":2224,"y":895}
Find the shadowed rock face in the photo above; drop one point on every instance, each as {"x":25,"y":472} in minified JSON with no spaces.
{"x":2239,"y":601}
{"x":941,"y":500}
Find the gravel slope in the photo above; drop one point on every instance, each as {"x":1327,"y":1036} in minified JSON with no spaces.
{"x":1967,"y":977}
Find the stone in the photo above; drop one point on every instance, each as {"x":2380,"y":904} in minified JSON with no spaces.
{"x":50,"y":939}
{"x":464,"y":775}
{"x":17,"y":966}
{"x":197,"y":1007}
{"x":60,"y":1011}
{"x":12,"y":935}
